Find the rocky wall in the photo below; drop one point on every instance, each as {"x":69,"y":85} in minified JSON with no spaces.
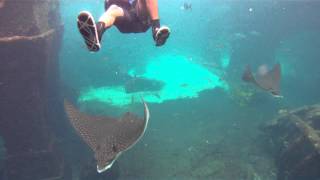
{"x":30,"y":38}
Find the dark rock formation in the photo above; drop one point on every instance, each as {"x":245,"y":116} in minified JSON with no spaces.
{"x":30,"y":104}
{"x":296,"y":140}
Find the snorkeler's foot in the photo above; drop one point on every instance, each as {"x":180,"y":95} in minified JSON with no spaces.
{"x":87,"y":28}
{"x":161,"y":35}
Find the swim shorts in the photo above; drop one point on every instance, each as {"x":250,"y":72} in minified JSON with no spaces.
{"x":134,"y":20}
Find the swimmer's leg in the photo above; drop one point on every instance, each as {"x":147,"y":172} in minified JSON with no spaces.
{"x":108,"y":18}
{"x":88,"y":30}
{"x":159,"y":34}
{"x":91,"y":31}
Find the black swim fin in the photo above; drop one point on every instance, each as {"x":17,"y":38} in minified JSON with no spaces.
{"x":88,"y":29}
{"x":161,"y":35}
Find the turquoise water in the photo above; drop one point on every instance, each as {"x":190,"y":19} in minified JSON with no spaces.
{"x":204,"y":120}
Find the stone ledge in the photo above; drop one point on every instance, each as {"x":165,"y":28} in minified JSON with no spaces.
{"x":26,"y":38}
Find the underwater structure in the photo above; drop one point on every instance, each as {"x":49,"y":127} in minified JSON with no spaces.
{"x":296,"y":139}
{"x":30,"y":37}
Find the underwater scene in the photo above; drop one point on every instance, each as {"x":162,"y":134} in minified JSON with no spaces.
{"x":159,"y":89}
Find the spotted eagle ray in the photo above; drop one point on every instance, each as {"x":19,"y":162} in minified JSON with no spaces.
{"x":108,"y":137}
{"x":268,"y":80}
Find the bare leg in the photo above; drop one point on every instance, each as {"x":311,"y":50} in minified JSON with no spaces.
{"x":91,"y":32}
{"x":152,"y":6}
{"x":159,"y":34}
{"x":110,"y":16}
